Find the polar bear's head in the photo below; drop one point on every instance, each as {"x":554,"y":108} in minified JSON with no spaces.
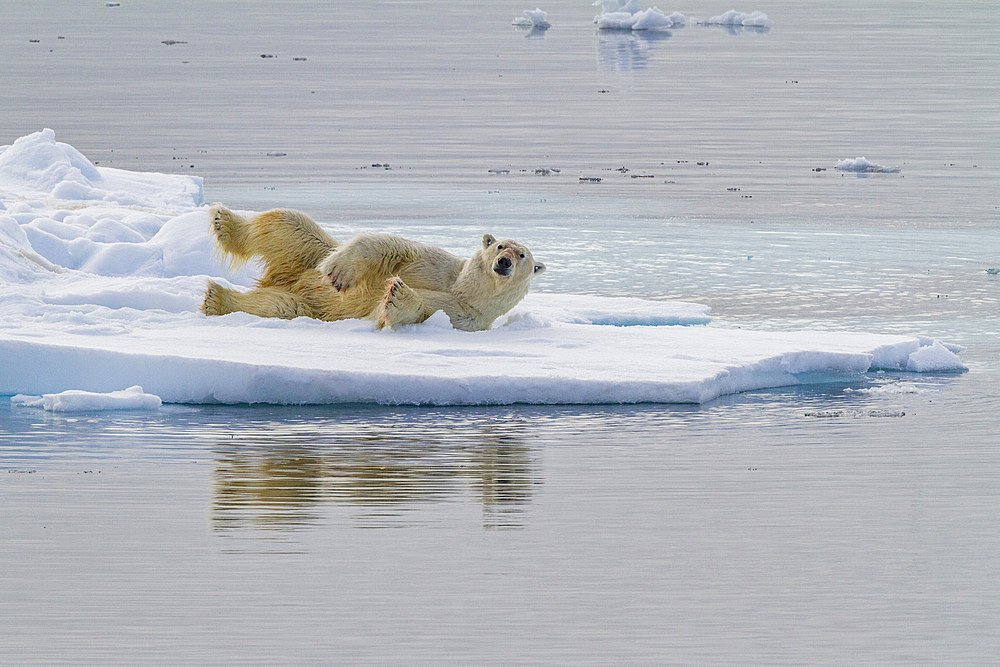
{"x":509,"y":259}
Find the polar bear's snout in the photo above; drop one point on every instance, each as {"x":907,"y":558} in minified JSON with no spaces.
{"x":503,"y":266}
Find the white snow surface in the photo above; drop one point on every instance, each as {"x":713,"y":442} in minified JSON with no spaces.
{"x":863,"y":165}
{"x":98,"y":294}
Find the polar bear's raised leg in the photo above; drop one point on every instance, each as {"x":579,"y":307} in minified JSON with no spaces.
{"x":263,"y":302}
{"x":288,"y":242}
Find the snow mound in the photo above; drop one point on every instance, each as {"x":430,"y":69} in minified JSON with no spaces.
{"x":933,"y":357}
{"x":96,"y":295}
{"x":133,"y":398}
{"x":38,"y":165}
{"x":862,"y":165}
{"x":533,"y":18}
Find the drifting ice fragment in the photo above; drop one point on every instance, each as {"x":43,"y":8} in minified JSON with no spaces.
{"x":649,"y":19}
{"x":533,"y":18}
{"x":735,"y":18}
{"x":133,"y":398}
{"x":863,"y":166}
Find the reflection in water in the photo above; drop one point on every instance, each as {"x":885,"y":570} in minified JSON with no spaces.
{"x":282,"y":478}
{"x":627,"y":50}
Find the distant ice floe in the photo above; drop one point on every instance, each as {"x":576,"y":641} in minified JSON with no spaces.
{"x":532,"y":18}
{"x":863,"y":166}
{"x":74,"y":400}
{"x":627,"y":15}
{"x":734,"y":18}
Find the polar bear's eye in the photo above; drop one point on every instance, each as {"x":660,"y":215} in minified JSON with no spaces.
{"x":500,"y":247}
{"x":522,"y":255}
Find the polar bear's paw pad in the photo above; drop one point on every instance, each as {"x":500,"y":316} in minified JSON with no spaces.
{"x":400,"y":305}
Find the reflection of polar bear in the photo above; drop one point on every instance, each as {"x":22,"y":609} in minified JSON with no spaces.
{"x":383,"y":278}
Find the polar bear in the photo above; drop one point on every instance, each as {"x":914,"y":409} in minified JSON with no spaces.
{"x":387,"y":279}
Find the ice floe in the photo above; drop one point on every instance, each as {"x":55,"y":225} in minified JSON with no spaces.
{"x":629,"y":16}
{"x":532,"y":18}
{"x":72,"y":400}
{"x":648,"y":19}
{"x":862,"y":165}
{"x":734,"y":18}
{"x":97,"y":295}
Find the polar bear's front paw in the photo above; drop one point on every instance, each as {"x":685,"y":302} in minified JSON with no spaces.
{"x":342,"y":275}
{"x":400,"y":305}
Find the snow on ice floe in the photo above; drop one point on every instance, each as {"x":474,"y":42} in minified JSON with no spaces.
{"x":38,"y":166}
{"x":532,"y":18}
{"x":99,"y":295}
{"x":863,"y":166}
{"x":133,"y":398}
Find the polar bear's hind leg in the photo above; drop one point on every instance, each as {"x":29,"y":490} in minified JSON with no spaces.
{"x":263,"y":302}
{"x":231,"y":232}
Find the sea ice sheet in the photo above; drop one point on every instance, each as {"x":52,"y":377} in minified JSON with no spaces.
{"x":100,"y":294}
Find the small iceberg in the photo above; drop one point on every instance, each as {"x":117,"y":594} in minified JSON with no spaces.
{"x":533,"y":18}
{"x":648,"y":19}
{"x":74,"y":400}
{"x":861,"y":165}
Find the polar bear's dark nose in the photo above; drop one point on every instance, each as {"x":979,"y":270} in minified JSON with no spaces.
{"x":503,"y":266}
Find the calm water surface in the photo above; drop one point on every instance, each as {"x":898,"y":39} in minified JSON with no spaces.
{"x":801,"y":525}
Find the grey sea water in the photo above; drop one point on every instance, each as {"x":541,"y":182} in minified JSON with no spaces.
{"x":823,"y":524}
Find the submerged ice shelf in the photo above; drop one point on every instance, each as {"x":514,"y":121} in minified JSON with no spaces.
{"x":101,"y":293}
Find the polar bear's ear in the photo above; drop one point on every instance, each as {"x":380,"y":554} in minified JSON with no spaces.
{"x":539,"y":268}
{"x":488,"y":240}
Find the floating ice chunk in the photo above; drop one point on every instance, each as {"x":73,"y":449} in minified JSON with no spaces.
{"x":615,"y":21}
{"x":648,"y":19}
{"x":862,"y":165}
{"x":736,"y":19}
{"x":678,"y":19}
{"x":533,"y":18}
{"x":73,"y":400}
{"x":652,"y":19}
{"x":933,"y":357}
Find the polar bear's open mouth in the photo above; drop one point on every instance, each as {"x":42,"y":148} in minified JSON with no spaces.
{"x":503,"y":267}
